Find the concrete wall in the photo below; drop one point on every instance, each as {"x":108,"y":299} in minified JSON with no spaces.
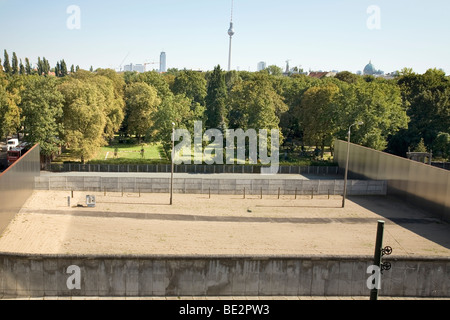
{"x":189,"y":168}
{"x":421,"y":184}
{"x":204,"y":184}
{"x":17,"y":184}
{"x":46,"y":275}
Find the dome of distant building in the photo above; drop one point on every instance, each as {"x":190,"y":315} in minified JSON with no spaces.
{"x":369,"y":69}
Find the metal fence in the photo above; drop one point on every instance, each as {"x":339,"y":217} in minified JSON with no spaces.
{"x":421,"y":184}
{"x":17,"y":184}
{"x":194,"y":168}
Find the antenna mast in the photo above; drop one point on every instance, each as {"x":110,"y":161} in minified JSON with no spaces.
{"x":230,"y":33}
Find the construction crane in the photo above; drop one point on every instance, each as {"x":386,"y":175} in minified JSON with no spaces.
{"x":120,"y":67}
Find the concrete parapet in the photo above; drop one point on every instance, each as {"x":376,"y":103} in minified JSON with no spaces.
{"x":48,"y":275}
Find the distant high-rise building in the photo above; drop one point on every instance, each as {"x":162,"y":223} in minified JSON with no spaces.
{"x":128,"y":67}
{"x":261,"y":66}
{"x":139,"y":68}
{"x":134,"y":67}
{"x":162,"y":62}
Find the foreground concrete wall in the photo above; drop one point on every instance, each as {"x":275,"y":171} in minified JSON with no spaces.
{"x":424,"y":185}
{"x":17,"y":184}
{"x":205,"y":184}
{"x":22,"y":275}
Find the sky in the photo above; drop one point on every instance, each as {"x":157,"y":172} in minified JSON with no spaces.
{"x":314,"y":35}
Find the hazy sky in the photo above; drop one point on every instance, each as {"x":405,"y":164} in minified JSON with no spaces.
{"x":316,"y":35}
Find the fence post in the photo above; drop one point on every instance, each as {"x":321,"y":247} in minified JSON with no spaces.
{"x":244,"y":192}
{"x":295,"y":193}
{"x":278,"y":192}
{"x":261,"y":192}
{"x":377,"y":255}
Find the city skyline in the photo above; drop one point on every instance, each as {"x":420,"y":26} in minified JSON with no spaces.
{"x":330,"y":35}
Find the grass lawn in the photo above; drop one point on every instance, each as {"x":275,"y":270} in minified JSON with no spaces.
{"x":151,"y":152}
{"x":130,"y":153}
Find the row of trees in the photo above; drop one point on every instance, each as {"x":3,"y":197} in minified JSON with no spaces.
{"x":42,"y":66}
{"x":83,"y":110}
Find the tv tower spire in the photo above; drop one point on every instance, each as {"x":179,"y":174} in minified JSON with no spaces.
{"x":230,"y":33}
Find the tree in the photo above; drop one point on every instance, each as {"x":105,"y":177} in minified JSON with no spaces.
{"x":441,"y":145}
{"x":41,"y":105}
{"x":10,"y":116}
{"x":347,"y":76}
{"x":427,"y":99}
{"x":153,"y":79}
{"x":318,"y":116}
{"x":27,"y":66}
{"x":63,"y":68}
{"x":141,"y":102}
{"x":175,"y":109}
{"x":378,"y":104}
{"x":192,"y":84}
{"x":215,"y":101}
{"x":21,"y":68}
{"x":6,"y":66}
{"x":15,"y":64}
{"x":255,"y":104}
{"x":112,"y":87}
{"x":274,"y":70}
{"x":420,"y":147}
{"x":57,"y":70}
{"x":83,"y":117}
{"x":72,"y":69}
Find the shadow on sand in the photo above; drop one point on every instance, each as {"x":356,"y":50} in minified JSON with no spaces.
{"x":408,"y":216}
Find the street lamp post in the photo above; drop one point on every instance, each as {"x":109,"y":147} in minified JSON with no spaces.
{"x":171,"y":170}
{"x":346,"y":164}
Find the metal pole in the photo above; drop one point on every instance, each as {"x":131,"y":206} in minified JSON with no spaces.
{"x":171,"y":170}
{"x":378,"y":255}
{"x":346,"y":163}
{"x":346,"y":169}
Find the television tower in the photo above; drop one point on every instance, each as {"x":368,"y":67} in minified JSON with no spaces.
{"x":230,"y":33}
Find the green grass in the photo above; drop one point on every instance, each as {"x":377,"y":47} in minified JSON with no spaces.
{"x":129,"y":152}
{"x":151,"y":152}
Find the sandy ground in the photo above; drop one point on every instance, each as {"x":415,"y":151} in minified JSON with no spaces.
{"x":226,"y":224}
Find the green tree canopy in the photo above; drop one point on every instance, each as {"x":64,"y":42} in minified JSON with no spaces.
{"x":192,"y":84}
{"x":215,"y":101}
{"x":141,"y":103}
{"x":42,"y":107}
{"x":83,"y":117}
